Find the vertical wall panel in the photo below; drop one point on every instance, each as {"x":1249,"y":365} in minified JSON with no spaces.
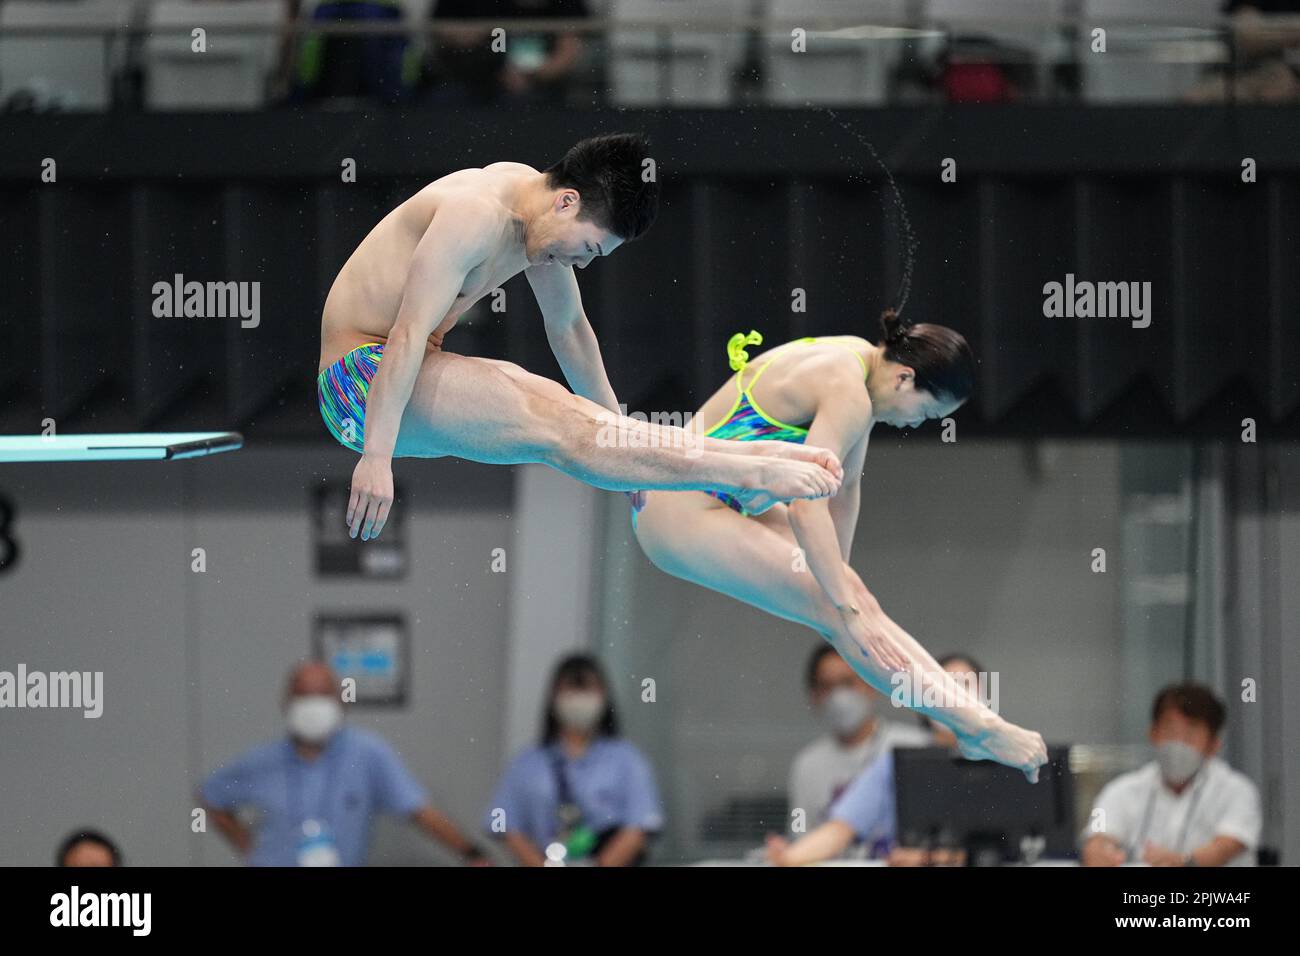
{"x":20,"y":316}
{"x":1025,"y":242}
{"x":1111,"y":354}
{"x":178,"y":231}
{"x":85,"y":327}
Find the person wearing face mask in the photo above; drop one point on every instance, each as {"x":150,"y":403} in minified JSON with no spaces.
{"x":582,"y":795}
{"x":864,"y":813}
{"x":854,"y":735}
{"x":1184,"y":808}
{"x":316,"y":791}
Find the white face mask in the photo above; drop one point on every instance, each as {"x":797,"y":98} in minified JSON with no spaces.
{"x":845,"y":711}
{"x":579,"y":710}
{"x":313,"y":718}
{"x":1179,"y":762}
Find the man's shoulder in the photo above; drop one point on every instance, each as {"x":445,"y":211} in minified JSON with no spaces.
{"x":898,"y":734}
{"x":1229,"y":779}
{"x":814,"y":752}
{"x":509,"y":166}
{"x":1131,"y":781}
{"x":481,"y":191}
{"x":474,"y":210}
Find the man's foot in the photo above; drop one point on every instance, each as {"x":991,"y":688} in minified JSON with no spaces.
{"x":795,"y":452}
{"x":1008,"y":744}
{"x":783,"y":479}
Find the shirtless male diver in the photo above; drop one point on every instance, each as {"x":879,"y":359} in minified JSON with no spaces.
{"x":449,"y":245}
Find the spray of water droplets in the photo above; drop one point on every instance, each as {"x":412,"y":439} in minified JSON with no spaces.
{"x":904,"y":221}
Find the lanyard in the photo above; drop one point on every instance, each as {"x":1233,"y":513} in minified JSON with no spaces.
{"x":567,"y":808}
{"x":1136,"y":844}
{"x":297,"y":802}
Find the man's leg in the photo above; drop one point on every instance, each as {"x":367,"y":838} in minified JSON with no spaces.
{"x":650,"y":432}
{"x":470,"y":408}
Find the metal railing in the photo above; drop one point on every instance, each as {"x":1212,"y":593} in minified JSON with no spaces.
{"x":914,"y":45}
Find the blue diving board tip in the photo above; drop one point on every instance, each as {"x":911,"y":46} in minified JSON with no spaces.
{"x":125,"y":446}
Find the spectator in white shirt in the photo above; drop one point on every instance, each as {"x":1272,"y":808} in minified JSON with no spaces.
{"x":865,"y":811}
{"x":1185,"y":808}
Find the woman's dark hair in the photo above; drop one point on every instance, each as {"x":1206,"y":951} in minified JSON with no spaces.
{"x":86,"y":836}
{"x":1194,"y":701}
{"x":941,"y":357}
{"x":815,"y":663}
{"x":609,"y":174}
{"x":578,"y":670}
{"x":958,"y":656}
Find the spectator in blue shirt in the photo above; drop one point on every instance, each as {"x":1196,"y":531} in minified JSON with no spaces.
{"x":583,"y":795}
{"x":316,"y":791}
{"x":864,"y":813}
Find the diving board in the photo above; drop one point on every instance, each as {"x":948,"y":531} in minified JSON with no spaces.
{"x":124,"y":446}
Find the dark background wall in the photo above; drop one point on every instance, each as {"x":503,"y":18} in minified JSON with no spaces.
{"x":756,"y":204}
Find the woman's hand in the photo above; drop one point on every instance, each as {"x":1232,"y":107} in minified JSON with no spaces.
{"x":371,"y":498}
{"x":866,"y":629}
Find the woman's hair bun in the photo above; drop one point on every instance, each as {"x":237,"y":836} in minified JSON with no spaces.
{"x":894,"y":327}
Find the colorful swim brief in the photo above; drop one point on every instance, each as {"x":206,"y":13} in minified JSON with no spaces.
{"x":341,"y":390}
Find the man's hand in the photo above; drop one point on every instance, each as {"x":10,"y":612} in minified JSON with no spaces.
{"x":1101,"y":850}
{"x":909,"y":856}
{"x":1156,"y":855}
{"x":372,"y":497}
{"x":775,"y":849}
{"x":516,"y":80}
{"x":229,"y":826}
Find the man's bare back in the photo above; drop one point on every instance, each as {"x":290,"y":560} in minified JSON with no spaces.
{"x":364,"y":300}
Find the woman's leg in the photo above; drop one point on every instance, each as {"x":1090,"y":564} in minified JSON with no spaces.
{"x":755,"y":561}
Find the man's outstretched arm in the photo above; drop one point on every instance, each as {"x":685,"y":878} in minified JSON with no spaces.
{"x":570,"y":334}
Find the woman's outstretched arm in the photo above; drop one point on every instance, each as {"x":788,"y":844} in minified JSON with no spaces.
{"x":842,"y":420}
